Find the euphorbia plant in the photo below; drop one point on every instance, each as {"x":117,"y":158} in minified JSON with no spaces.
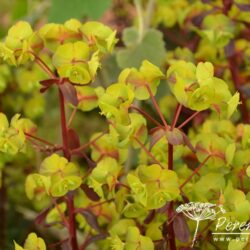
{"x":109,"y":201}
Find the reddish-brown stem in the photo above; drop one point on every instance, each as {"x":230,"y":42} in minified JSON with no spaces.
{"x":57,"y":243}
{"x":195,"y":172}
{"x":119,"y":184}
{"x":170,"y":211}
{"x":75,"y":151}
{"x":43,"y":65}
{"x":146,"y":115}
{"x":188,"y":119}
{"x":176,"y":115}
{"x":39,"y":139}
{"x":85,"y":242}
{"x":157,"y":107}
{"x":148,"y":152}
{"x":79,"y":210}
{"x":64,"y":126}
{"x":72,"y":226}
{"x":233,"y":66}
{"x":72,"y":116}
{"x":70,"y":198}
{"x":171,"y":234}
{"x":62,"y":216}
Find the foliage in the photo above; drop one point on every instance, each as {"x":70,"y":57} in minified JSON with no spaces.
{"x":166,"y":132}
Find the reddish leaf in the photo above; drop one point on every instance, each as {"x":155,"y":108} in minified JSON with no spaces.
{"x":243,"y":7}
{"x":49,"y":82}
{"x":92,"y":195}
{"x":188,"y":143}
{"x":95,"y":238}
{"x":157,"y":134}
{"x":42,"y":90}
{"x":73,"y":139}
{"x":91,"y":219}
{"x":42,"y":216}
{"x":175,"y":137}
{"x":69,"y":93}
{"x":150,"y":217}
{"x":230,"y":49}
{"x":181,"y":229}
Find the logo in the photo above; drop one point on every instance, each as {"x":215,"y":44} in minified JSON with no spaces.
{"x":199,"y":211}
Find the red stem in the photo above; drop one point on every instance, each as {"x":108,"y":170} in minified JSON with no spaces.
{"x":156,"y":106}
{"x":148,"y":152}
{"x":64,"y":126}
{"x":176,"y":116}
{"x":170,"y":212}
{"x":77,"y":150}
{"x":188,"y":119}
{"x":146,"y":115}
{"x":72,"y":226}
{"x":43,"y":65}
{"x":39,"y":139}
{"x":195,"y":172}
{"x":70,"y":198}
{"x":171,"y":234}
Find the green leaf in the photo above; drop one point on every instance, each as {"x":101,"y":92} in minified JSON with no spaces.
{"x":136,"y":241}
{"x":114,"y":103}
{"x":18,"y":247}
{"x":36,"y":185}
{"x":57,"y":164}
{"x":102,"y":36}
{"x":148,"y":74}
{"x":248,"y":171}
{"x":151,"y":48}
{"x":54,"y":216}
{"x":201,"y":98}
{"x":60,"y":186}
{"x":70,"y":59}
{"x":105,"y":168}
{"x":217,"y":29}
{"x":77,"y":9}
{"x":130,"y":36}
{"x":116,"y":243}
{"x":204,"y":71}
{"x":4,"y":124}
{"x":207,"y":183}
{"x":120,"y":228}
{"x":230,"y":151}
{"x":32,"y":243}
{"x":134,"y":210}
{"x":237,"y":244}
{"x":232,"y":104}
{"x":213,"y":145}
{"x":181,"y":77}
{"x":154,"y":232}
{"x":17,"y":33}
{"x":237,"y":202}
{"x":87,"y":97}
{"x":138,"y":189}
